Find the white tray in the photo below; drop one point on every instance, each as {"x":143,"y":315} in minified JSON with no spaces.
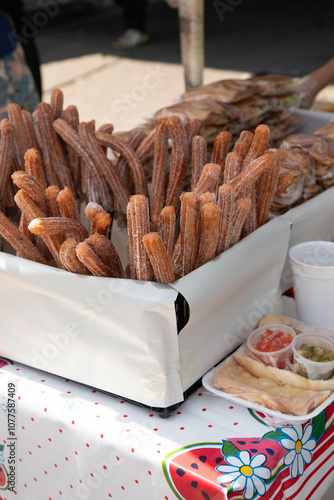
{"x":272,"y":417}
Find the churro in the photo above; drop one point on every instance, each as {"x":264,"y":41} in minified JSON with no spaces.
{"x":69,"y":258}
{"x":178,"y":166}
{"x":67,"y":204}
{"x":210,"y":214}
{"x":209,"y":179}
{"x":106,"y":251}
{"x":226,"y":203}
{"x":54,"y":145}
{"x":20,"y":136}
{"x":242,"y":208}
{"x":31,"y":211}
{"x":134,"y":140}
{"x":259,"y":143}
{"x":195,"y":125}
{"x":207,"y":197}
{"x":146,"y":147}
{"x":159,"y":171}
{"x":99,"y":218}
{"x":51,"y":194}
{"x":167,"y":228}
{"x":138,"y":222}
{"x":221,"y":147}
{"x":56,"y":103}
{"x":92,"y":261}
{"x":129,"y":155}
{"x":266,"y":188}
{"x":251,"y":172}
{"x":159,"y":259}
{"x":21,"y":244}
{"x":189,"y":231}
{"x":25,"y":181}
{"x":233,"y":166}
{"x":33,"y":166}
{"x":51,"y":226}
{"x":198,"y":160}
{"x":30,"y":130}
{"x":6,"y":153}
{"x":71,"y":115}
{"x":285,"y":179}
{"x":108,"y":170}
{"x":243,"y":143}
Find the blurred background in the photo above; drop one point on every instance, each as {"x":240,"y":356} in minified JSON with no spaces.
{"x":242,"y":37}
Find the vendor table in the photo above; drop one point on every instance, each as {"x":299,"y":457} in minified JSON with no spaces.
{"x":68,"y":441}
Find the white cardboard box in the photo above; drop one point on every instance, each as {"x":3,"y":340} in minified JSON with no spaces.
{"x":121,"y":336}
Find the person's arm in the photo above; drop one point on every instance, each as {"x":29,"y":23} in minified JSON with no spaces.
{"x":314,"y":82}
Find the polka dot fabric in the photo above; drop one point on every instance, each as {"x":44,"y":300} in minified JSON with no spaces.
{"x":77,"y":443}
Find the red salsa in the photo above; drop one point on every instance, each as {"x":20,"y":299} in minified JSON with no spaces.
{"x":273,"y":340}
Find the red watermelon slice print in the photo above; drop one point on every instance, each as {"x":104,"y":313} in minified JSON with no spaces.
{"x":3,"y":478}
{"x":191,"y":471}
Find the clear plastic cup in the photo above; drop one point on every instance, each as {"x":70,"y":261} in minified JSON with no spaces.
{"x":278,"y":358}
{"x":314,"y":370}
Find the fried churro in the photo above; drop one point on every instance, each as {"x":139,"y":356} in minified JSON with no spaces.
{"x":209,"y":228}
{"x":138,"y":222}
{"x":199,"y":159}
{"x":189,"y":231}
{"x":167,"y":228}
{"x":221,"y":147}
{"x":178,"y":167}
{"x":69,"y":258}
{"x":107,"y":252}
{"x":159,"y":259}
{"x":21,"y":244}
{"x":209,"y":179}
{"x":226,"y":203}
{"x":159,"y":171}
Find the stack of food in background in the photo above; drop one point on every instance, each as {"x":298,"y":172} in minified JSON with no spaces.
{"x":310,"y":159}
{"x":238,"y":104}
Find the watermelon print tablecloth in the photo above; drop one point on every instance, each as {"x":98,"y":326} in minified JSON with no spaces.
{"x":61,"y":440}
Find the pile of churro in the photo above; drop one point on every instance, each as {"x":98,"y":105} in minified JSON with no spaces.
{"x":50,"y":162}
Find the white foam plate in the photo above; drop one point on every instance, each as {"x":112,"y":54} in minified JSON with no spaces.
{"x":272,"y":417}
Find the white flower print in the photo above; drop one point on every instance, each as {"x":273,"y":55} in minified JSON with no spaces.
{"x":300,"y":444}
{"x":245,"y":473}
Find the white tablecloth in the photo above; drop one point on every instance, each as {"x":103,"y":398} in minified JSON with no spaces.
{"x":71,"y":442}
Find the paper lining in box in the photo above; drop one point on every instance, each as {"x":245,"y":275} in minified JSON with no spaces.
{"x":121,"y":336}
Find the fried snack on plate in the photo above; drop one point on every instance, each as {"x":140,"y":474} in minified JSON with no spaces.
{"x":159,"y":259}
{"x":234,"y":379}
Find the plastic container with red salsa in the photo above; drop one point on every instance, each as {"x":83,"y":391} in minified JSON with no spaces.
{"x":272,"y":344}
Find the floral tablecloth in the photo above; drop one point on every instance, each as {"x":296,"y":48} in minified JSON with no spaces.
{"x":62,"y":440}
